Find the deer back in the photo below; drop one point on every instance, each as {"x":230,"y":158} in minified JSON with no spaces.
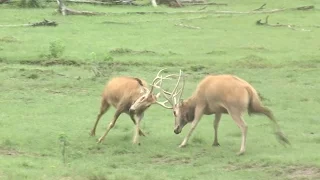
{"x":221,"y":91}
{"x":120,"y":89}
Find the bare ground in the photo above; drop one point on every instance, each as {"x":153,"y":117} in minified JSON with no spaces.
{"x":296,"y":172}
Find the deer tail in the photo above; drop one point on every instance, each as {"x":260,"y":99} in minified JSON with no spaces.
{"x":255,"y":107}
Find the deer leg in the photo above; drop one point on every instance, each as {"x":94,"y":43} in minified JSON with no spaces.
{"x":141,"y":133}
{"x":215,"y":126}
{"x":137,"y":129}
{"x":197,"y":116}
{"x":112,"y":123}
{"x":237,"y":117}
{"x":103,"y":109}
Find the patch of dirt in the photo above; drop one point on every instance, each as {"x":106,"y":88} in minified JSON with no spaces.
{"x":296,"y":172}
{"x":97,"y":177}
{"x":35,"y":73}
{"x":10,"y":152}
{"x":306,"y":64}
{"x":14,"y":152}
{"x":159,"y":159}
{"x":255,"y":48}
{"x":8,"y":39}
{"x":170,"y":64}
{"x":303,"y":173}
{"x":120,"y":51}
{"x":253,"y":62}
{"x":52,"y":62}
{"x":217,"y":52}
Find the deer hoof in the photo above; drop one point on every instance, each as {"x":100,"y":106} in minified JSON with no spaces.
{"x":137,"y":143}
{"x":240,"y":153}
{"x":100,"y":140}
{"x":92,"y":133}
{"x":182,"y":145}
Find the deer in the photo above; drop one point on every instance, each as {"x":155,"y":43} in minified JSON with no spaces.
{"x":121,"y":93}
{"x":217,"y":94}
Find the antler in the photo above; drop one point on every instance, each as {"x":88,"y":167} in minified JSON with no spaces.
{"x":171,"y":97}
{"x":156,"y":83}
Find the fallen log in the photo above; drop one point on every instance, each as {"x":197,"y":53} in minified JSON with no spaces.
{"x":64,"y":10}
{"x":300,"y":8}
{"x":37,"y":24}
{"x":290,"y":26}
{"x":114,"y":2}
{"x":199,"y":2}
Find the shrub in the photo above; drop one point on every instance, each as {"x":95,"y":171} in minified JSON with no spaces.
{"x":30,"y":4}
{"x":56,"y":49}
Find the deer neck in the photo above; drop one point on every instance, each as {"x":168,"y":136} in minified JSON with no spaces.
{"x":190,"y":105}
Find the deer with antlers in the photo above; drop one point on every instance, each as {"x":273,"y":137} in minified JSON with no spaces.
{"x":122,"y":93}
{"x":217,"y":94}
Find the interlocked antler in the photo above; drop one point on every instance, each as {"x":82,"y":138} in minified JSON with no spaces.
{"x":175,"y":92}
{"x":171,"y":96}
{"x":156,"y":83}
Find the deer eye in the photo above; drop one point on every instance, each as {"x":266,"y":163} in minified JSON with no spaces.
{"x":174,"y":113}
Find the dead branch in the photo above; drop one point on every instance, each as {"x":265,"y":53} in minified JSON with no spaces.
{"x":67,"y":11}
{"x":148,"y":21}
{"x":197,"y":2}
{"x":89,"y":2}
{"x":290,"y":26}
{"x":266,"y":11}
{"x":42,"y":23}
{"x":203,"y":8}
{"x":187,"y":26}
{"x":114,"y":2}
{"x":217,"y":12}
{"x":261,"y":7}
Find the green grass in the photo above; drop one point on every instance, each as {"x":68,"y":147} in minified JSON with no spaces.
{"x":43,"y":98}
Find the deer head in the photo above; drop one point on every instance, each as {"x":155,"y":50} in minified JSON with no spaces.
{"x":148,"y":98}
{"x":180,"y":109}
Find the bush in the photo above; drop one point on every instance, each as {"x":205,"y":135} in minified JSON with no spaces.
{"x":30,"y":4}
{"x":56,"y":49}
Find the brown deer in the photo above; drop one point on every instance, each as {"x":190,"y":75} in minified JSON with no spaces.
{"x":122,"y":93}
{"x":218,"y":94}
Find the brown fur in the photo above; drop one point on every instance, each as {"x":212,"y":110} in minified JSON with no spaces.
{"x":121,"y":93}
{"x":220,"y":94}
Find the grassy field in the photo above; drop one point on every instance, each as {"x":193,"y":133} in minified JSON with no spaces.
{"x":49,"y":104}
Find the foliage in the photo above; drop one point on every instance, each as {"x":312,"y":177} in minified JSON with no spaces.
{"x":30,"y":3}
{"x":56,"y":49}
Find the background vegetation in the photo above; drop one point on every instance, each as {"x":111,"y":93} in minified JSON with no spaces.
{"x":51,"y":79}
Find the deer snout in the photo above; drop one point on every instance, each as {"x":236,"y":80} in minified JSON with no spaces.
{"x":177,"y":130}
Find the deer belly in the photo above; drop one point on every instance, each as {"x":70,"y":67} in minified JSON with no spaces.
{"x":215,"y":108}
